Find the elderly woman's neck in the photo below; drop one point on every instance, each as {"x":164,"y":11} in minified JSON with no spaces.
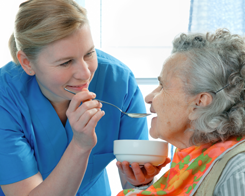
{"x":182,"y":141}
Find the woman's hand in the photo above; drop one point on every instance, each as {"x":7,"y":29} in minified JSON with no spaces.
{"x":84,"y":118}
{"x":137,"y":175}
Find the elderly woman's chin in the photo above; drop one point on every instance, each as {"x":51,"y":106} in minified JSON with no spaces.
{"x":153,"y":133}
{"x":153,"y":129}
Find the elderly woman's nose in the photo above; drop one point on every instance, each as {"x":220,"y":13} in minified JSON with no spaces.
{"x":149,"y":97}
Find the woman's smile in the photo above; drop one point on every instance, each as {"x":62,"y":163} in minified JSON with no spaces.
{"x":77,"y":88}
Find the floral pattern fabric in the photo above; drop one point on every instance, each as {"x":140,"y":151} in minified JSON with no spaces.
{"x":188,"y":168}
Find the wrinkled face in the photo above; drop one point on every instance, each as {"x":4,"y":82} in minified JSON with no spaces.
{"x":67,"y":63}
{"x":169,"y":102}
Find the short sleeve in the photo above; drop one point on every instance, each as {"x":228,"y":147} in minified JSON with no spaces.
{"x":17,"y":161}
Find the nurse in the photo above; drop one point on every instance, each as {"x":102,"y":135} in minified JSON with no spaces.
{"x":50,"y":143}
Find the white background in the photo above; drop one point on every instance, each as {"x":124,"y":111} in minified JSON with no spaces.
{"x":138,"y":32}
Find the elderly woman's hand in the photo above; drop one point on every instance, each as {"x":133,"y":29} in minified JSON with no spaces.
{"x":138,"y":175}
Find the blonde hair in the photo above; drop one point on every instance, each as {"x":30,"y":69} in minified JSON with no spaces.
{"x":41,"y":22}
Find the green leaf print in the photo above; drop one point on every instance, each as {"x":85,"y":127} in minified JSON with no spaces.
{"x":146,"y":193}
{"x":173,"y":164}
{"x":196,"y":180}
{"x":186,"y":161}
{"x":189,"y":189}
{"x":238,"y":138}
{"x":199,"y":164}
{"x":125,"y":191}
{"x":161,"y":193}
{"x":158,"y":183}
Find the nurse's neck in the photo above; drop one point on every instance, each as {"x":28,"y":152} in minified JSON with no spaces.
{"x":60,"y":109}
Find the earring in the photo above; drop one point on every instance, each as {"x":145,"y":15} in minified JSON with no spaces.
{"x":30,"y":72}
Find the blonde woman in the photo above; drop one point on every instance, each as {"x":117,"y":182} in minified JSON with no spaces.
{"x":50,"y":143}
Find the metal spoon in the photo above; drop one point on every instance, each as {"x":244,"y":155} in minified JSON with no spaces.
{"x":132,"y":115}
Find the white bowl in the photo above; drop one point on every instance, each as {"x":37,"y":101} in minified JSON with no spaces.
{"x":141,"y":151}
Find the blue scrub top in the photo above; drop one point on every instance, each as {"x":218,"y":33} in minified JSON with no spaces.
{"x":32,"y":137}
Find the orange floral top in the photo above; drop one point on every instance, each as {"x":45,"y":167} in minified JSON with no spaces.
{"x":188,"y":169}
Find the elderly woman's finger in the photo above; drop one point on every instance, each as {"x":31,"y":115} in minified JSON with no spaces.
{"x":127,"y":170}
{"x":167,"y":161}
{"x":119,"y":166}
{"x":151,"y":170}
{"x":138,"y":173}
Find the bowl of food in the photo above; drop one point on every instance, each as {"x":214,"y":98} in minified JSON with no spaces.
{"x":141,"y":151}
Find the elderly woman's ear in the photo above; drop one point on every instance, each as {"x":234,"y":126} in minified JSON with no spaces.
{"x":201,"y":100}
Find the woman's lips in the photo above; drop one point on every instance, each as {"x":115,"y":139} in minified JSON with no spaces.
{"x":152,"y":109}
{"x":153,"y":119}
{"x":77,"y":88}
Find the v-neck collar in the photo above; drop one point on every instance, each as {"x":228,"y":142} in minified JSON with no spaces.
{"x":46,"y":118}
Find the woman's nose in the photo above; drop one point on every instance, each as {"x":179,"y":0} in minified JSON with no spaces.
{"x":81,"y":71}
{"x":148,"y":98}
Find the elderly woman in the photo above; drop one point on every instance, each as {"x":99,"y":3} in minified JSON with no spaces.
{"x":200,"y":109}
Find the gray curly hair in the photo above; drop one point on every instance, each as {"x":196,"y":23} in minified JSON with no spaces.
{"x":215,"y":61}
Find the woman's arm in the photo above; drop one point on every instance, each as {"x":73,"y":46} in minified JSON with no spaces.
{"x":67,"y":176}
{"x":65,"y":179}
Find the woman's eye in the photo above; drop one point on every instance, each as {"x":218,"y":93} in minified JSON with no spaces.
{"x":66,"y":63}
{"x":90,"y":54}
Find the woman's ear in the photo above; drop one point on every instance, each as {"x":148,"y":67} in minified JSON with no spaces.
{"x":204,"y":99}
{"x":201,"y":100}
{"x":25,"y":63}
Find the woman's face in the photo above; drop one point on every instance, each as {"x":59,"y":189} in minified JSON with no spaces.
{"x":170,"y":103}
{"x":67,"y":63}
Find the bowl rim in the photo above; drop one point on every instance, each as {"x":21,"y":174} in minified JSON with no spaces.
{"x":141,"y":140}
{"x":149,"y":151}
